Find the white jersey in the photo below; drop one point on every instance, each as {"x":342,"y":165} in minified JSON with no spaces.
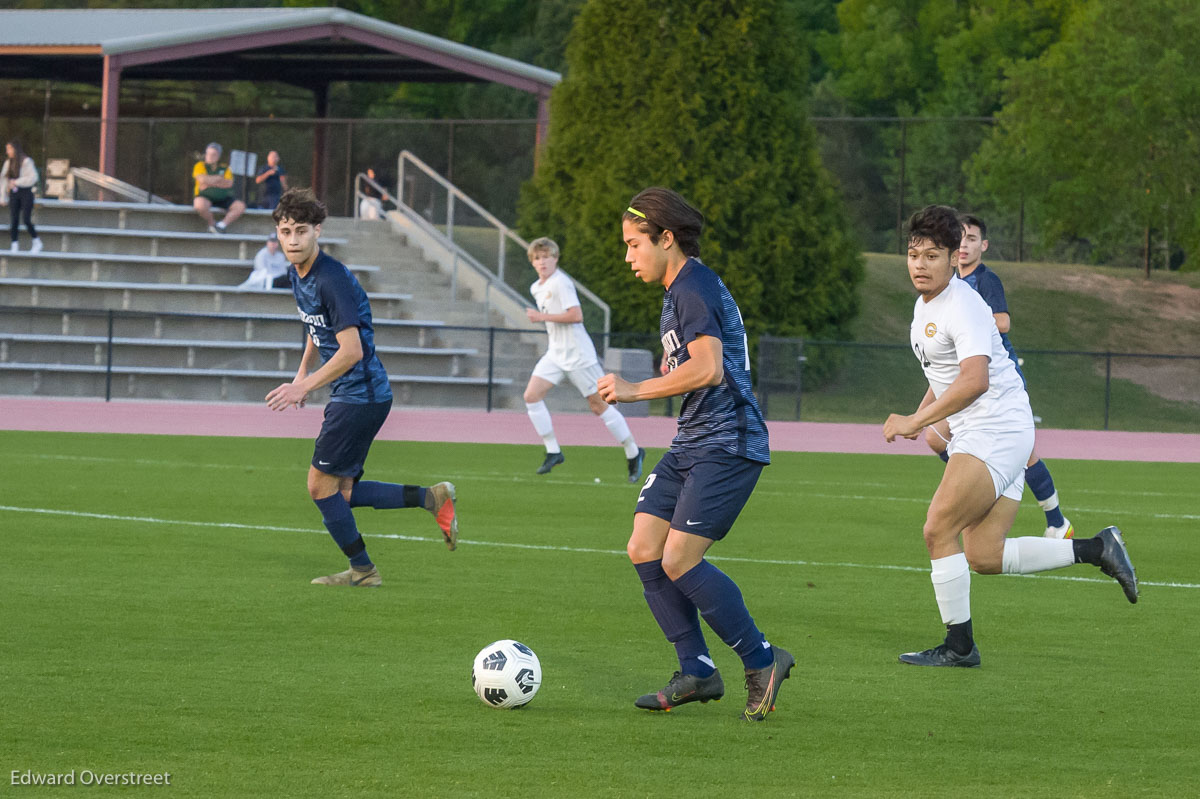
{"x":570,"y":345}
{"x":955,"y":325}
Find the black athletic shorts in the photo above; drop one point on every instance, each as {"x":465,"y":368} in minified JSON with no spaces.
{"x":699,"y":491}
{"x":346,"y":437}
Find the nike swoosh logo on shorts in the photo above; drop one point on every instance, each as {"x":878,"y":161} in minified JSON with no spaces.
{"x":691,"y":523}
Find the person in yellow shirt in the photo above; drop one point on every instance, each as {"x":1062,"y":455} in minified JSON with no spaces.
{"x":214,"y":188}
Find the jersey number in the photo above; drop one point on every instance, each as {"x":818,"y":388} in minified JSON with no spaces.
{"x":649,"y":482}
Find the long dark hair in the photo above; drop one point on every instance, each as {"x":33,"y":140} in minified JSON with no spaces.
{"x":14,"y":163}
{"x":656,"y":209}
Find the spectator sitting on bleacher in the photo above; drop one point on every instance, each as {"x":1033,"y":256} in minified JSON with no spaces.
{"x":270,"y":268}
{"x":214,"y":187}
{"x":371,"y":206}
{"x":272,"y":182}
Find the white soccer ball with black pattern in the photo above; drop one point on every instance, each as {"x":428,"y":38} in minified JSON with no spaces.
{"x":506,"y":674}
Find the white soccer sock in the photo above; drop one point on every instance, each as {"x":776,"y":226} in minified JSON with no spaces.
{"x":1027,"y":555}
{"x":1049,"y":503}
{"x":539,"y":414}
{"x":619,"y":428}
{"x":951,"y":578}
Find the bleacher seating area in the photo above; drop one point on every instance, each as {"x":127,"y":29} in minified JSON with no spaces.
{"x":181,"y":329}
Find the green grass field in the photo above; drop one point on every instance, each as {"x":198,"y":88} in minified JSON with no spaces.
{"x":157,"y":617}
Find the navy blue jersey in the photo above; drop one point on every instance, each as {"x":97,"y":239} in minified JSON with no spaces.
{"x":724,"y":416}
{"x":988,"y":284}
{"x":330,"y":299}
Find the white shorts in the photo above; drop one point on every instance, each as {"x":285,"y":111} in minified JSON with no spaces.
{"x":1004,"y":454}
{"x":583,"y":379}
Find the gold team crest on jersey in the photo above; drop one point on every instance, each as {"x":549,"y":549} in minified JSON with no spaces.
{"x":930,"y":330}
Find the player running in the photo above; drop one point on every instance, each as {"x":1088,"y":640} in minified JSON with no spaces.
{"x":975,"y":387}
{"x":697,"y":490}
{"x":337,"y":313}
{"x":972,"y":269}
{"x":572,"y":355}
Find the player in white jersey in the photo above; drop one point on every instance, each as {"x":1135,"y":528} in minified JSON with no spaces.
{"x":572,"y":355}
{"x":975,"y":387}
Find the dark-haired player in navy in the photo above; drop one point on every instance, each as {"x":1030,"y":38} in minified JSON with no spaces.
{"x":337,"y":315}
{"x":697,"y":490}
{"x":987,"y":283}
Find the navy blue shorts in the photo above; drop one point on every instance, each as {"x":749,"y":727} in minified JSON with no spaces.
{"x":699,"y":491}
{"x":346,"y":436}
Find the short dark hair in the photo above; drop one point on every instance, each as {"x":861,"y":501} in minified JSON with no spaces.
{"x":656,"y":209}
{"x":937,"y":223}
{"x":300,"y":205}
{"x":973,"y":221}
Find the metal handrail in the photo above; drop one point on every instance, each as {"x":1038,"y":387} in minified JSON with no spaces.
{"x":109,"y":184}
{"x":505,"y":234}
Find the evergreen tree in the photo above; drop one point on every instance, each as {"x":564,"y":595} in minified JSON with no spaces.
{"x":706,"y":98}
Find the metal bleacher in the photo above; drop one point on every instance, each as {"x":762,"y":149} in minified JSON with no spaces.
{"x":137,"y":300}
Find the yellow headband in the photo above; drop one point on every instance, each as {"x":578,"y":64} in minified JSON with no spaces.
{"x":635,"y":212}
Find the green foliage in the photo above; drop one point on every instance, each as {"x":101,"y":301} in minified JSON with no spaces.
{"x":705,"y":98}
{"x":1098,"y":135}
{"x":927,"y":60}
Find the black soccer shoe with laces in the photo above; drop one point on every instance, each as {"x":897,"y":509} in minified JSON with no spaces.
{"x":1115,"y":562}
{"x":684,"y":688}
{"x":942,"y":655}
{"x":552,"y":460}
{"x":762,"y":685}
{"x":635,"y":465}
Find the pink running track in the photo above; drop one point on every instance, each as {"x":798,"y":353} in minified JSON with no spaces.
{"x":513,"y":427}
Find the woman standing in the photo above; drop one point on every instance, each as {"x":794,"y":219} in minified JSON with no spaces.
{"x":18,"y":176}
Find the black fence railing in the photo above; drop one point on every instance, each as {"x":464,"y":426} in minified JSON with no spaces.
{"x":181,"y":355}
{"x":839,"y":381}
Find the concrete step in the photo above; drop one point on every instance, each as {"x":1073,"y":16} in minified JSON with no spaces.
{"x":280,"y":327}
{"x":210,"y":385}
{"x":181,"y":218}
{"x":106,"y":267}
{"x":74,"y":238}
{"x":195,"y":354}
{"x":165,"y":296}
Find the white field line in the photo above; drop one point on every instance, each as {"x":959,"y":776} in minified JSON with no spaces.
{"x":765,"y":486}
{"x":540,"y":547}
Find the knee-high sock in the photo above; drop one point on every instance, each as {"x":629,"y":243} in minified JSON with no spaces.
{"x":539,"y":414}
{"x":1027,"y":555}
{"x":721,"y":605}
{"x":951,"y":578}
{"x":677,"y":617}
{"x":386,"y":496}
{"x":339,"y":521}
{"x":619,"y":428}
{"x":1038,"y":478}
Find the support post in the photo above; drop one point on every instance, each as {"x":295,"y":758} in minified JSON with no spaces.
{"x":321,"y":100}
{"x":110,"y":91}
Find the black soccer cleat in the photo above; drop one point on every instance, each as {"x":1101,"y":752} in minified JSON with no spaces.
{"x":684,"y":688}
{"x":762,"y":685}
{"x":1115,"y":562}
{"x":942,"y":655}
{"x":552,"y":460}
{"x":635,"y":465}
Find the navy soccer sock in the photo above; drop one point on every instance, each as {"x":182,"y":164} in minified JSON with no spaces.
{"x":339,"y":521}
{"x":720,"y":603}
{"x":1038,"y":478}
{"x":386,"y":496}
{"x":677,"y":617}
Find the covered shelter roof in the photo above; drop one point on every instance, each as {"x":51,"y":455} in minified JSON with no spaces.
{"x":307,"y":47}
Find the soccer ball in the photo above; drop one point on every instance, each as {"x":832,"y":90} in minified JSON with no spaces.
{"x":506,"y":674}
